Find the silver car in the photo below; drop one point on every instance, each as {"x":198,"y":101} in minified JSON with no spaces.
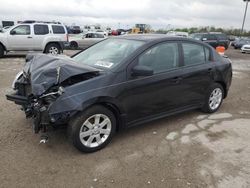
{"x":83,"y":41}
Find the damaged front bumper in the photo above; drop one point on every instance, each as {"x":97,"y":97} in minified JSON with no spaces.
{"x":38,"y":110}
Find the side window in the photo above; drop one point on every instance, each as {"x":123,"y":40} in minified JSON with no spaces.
{"x":212,"y":37}
{"x":57,"y":29}
{"x":41,"y":29}
{"x":193,"y":54}
{"x":161,"y":57}
{"x":21,"y":30}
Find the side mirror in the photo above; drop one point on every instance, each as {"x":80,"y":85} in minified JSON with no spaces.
{"x":13,"y":32}
{"x":141,"y":70}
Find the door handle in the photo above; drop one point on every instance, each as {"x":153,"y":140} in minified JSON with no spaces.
{"x":176,"y":79}
{"x":29,"y":37}
{"x":210,"y":70}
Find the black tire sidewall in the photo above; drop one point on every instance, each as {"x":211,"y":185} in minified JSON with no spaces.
{"x":76,"y":124}
{"x":206,"y":108}
{"x":73,"y":45}
{"x":52,"y":45}
{"x":1,"y":51}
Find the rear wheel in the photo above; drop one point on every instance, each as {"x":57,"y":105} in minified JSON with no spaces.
{"x":1,"y":51}
{"x":93,"y":129}
{"x":53,"y":49}
{"x":73,"y":45}
{"x":214,"y":98}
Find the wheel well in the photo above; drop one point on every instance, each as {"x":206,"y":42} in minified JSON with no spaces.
{"x":3,"y":46}
{"x":224,"y":87}
{"x":113,"y":108}
{"x":57,"y":43}
{"x":73,"y":42}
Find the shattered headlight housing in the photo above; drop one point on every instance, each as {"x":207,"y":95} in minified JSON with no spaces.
{"x":18,"y":76}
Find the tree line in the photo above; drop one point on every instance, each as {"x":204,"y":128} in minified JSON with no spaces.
{"x":230,"y":31}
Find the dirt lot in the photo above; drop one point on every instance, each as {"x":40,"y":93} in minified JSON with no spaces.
{"x":187,"y":150}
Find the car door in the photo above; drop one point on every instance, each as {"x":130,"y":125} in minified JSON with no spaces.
{"x":20,"y":38}
{"x":86,"y":41}
{"x":40,"y":32}
{"x":197,"y":72}
{"x":149,"y":96}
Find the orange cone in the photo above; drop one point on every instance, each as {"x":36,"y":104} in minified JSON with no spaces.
{"x":220,"y":50}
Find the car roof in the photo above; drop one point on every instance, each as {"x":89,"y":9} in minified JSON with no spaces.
{"x":155,"y":37}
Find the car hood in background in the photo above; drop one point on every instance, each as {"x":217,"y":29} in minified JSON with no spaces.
{"x":45,"y":71}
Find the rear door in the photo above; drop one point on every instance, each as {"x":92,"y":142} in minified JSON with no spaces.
{"x":40,"y":32}
{"x":197,"y":72}
{"x":20,"y":38}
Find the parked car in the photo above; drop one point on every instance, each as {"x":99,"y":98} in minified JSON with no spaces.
{"x":241,"y":42}
{"x":74,"y":29}
{"x":177,"y":33}
{"x":245,"y":48}
{"x":83,"y":41}
{"x":235,"y":41}
{"x":213,"y":39}
{"x":121,"y":82}
{"x":34,"y":36}
{"x":102,"y":32}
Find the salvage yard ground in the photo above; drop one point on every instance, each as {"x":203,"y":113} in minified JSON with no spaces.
{"x":186,"y":150}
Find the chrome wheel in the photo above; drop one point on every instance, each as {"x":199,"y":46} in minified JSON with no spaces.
{"x":95,"y":130}
{"x":53,"y":50}
{"x":215,"y":98}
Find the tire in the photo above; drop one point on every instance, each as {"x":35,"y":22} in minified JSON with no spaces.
{"x":73,"y":45}
{"x":1,"y":51}
{"x":53,"y":49}
{"x":215,"y":90}
{"x":83,"y":123}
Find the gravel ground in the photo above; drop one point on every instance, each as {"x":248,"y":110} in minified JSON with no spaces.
{"x":187,"y":150}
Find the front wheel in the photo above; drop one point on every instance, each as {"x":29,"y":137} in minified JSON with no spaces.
{"x":93,"y":129}
{"x":53,"y":49}
{"x":213,"y":99}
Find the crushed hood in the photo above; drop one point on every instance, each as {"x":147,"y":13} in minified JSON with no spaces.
{"x":44,"y":71}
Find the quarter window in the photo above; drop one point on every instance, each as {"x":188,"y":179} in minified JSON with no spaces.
{"x":57,"y":29}
{"x":193,"y":54}
{"x":41,"y":29}
{"x":161,"y":57}
{"x":21,"y":30}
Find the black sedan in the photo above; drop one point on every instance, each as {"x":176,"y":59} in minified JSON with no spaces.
{"x":120,"y":82}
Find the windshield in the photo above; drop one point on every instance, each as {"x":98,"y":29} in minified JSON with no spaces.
{"x":108,"y":53}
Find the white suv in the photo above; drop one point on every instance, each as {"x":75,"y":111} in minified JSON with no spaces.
{"x":48,"y":37}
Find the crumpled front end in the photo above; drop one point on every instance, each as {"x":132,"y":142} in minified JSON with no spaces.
{"x":42,"y":82}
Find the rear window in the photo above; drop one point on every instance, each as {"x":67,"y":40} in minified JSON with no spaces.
{"x":57,"y":29}
{"x":222,"y":37}
{"x":41,"y":29}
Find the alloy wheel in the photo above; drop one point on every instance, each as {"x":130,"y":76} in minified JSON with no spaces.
{"x":215,"y":98}
{"x":95,"y":130}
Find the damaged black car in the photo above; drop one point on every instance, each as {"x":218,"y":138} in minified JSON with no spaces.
{"x":120,"y":82}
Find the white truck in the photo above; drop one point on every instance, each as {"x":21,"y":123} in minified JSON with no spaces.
{"x":48,"y":37}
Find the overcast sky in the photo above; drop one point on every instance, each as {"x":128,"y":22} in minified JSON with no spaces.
{"x":157,"y":13}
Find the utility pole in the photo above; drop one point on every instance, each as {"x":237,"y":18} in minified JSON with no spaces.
{"x":244,"y":16}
